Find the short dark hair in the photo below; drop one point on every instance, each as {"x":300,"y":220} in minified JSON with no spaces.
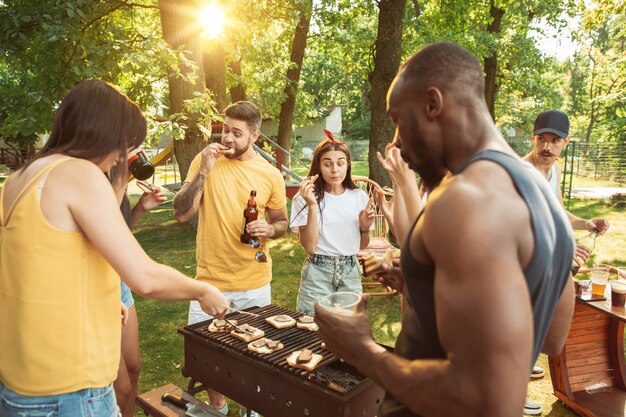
{"x":94,"y":119}
{"x":245,"y":111}
{"x":447,"y":66}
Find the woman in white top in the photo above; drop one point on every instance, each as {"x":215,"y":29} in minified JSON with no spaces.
{"x":333,"y":217}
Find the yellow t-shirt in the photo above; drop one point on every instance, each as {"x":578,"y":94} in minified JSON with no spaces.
{"x":59,"y":305}
{"x":222,"y":260}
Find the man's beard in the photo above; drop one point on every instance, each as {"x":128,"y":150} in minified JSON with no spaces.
{"x":238,"y":152}
{"x":430,"y":176}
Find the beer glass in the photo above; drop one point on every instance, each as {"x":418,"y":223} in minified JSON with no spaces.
{"x":618,"y":293}
{"x":341,"y":302}
{"x":599,"y":278}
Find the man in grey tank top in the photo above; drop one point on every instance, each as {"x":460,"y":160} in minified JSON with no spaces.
{"x":486,"y":265}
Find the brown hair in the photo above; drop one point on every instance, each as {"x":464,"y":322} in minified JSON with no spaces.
{"x":245,"y":111}
{"x":94,"y":119}
{"x":320,"y":150}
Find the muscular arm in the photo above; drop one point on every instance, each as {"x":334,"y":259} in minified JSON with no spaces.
{"x":484,"y":316}
{"x":187,"y":201}
{"x":484,"y":321}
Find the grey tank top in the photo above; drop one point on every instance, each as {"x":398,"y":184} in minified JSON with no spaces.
{"x":546,"y":274}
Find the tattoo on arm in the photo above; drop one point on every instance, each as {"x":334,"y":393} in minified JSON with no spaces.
{"x":186,"y":197}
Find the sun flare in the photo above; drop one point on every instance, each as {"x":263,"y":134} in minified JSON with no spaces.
{"x":213,"y":20}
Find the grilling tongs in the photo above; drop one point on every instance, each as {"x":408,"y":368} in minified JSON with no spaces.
{"x":239,"y":330}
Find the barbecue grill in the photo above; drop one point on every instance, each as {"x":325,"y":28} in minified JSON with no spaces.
{"x":265,"y":382}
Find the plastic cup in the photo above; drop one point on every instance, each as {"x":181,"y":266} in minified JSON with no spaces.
{"x":618,"y":293}
{"x":342,"y":302}
{"x":598,"y":282}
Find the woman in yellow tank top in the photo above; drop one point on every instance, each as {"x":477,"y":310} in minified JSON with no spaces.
{"x":63,"y":247}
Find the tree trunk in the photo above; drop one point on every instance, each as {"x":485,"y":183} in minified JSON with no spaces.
{"x":287,"y":107}
{"x":491,"y":61}
{"x":214,"y":65}
{"x":175,"y":25}
{"x":387,"y":56}
{"x":237,"y":91}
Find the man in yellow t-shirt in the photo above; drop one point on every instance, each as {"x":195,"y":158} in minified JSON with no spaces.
{"x":218,"y":187}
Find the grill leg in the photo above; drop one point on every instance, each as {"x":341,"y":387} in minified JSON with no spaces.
{"x":195,"y":387}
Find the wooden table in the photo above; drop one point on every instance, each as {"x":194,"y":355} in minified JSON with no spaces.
{"x":593,"y":353}
{"x":151,"y":403}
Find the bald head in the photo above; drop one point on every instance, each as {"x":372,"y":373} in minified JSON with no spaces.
{"x":446,"y":66}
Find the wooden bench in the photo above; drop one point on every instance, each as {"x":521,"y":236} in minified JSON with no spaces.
{"x":150,"y":402}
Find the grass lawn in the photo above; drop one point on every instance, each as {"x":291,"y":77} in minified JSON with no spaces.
{"x":171,"y":243}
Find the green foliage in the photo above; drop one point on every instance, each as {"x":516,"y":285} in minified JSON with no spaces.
{"x":599,"y":73}
{"x":48,"y":47}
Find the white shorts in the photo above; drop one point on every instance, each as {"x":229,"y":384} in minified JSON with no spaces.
{"x":240,"y":300}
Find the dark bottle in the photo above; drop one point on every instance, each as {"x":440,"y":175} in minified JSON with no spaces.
{"x":574,"y":269}
{"x":140,"y":166}
{"x":250,"y":213}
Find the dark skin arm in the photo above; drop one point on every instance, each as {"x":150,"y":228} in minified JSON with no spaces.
{"x":484,"y":321}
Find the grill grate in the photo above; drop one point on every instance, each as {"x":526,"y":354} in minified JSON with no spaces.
{"x":292,"y":338}
{"x":266,"y":382}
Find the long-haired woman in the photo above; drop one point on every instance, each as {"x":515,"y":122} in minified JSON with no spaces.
{"x":333,"y":217}
{"x":63,"y":247}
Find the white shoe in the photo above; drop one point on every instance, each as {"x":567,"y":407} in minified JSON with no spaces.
{"x":532,"y":408}
{"x":537,"y":372}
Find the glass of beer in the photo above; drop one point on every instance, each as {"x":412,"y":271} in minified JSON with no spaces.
{"x":618,"y":293}
{"x":341,"y":302}
{"x":599,"y":278}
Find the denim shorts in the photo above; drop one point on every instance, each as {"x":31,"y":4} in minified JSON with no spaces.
{"x":322,"y":275}
{"x":91,"y":402}
{"x":127,"y":296}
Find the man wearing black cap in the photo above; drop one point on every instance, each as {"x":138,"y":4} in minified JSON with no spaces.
{"x":550,"y":137}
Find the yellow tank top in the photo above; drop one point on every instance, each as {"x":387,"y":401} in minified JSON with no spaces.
{"x":59,"y":303}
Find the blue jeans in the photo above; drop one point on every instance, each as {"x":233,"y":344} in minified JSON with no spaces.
{"x":322,"y":275}
{"x":127,"y":296}
{"x":91,"y":402}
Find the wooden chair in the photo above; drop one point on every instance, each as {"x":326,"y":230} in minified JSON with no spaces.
{"x":378,"y":237}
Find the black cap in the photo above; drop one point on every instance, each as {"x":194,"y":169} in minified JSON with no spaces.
{"x":552,"y":121}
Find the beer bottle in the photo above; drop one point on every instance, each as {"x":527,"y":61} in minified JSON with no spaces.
{"x":250,"y":213}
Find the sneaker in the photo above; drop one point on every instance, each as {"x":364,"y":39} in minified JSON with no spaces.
{"x":537,"y":372}
{"x":532,"y":408}
{"x":243,"y":412}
